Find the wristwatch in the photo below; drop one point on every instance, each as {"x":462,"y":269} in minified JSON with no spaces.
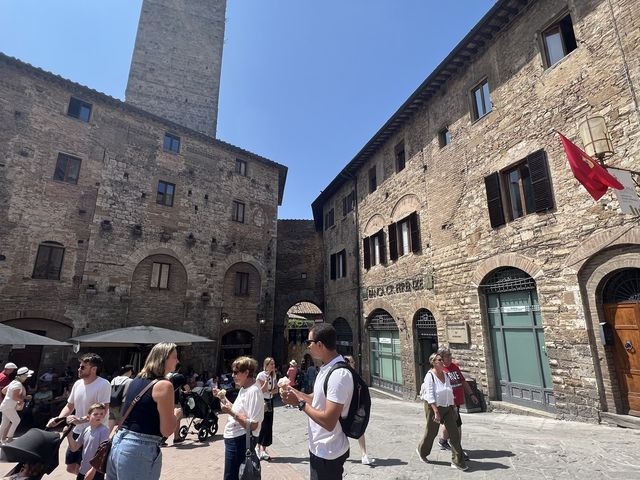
{"x":301,"y":405}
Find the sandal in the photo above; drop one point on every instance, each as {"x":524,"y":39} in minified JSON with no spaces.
{"x":265,"y":456}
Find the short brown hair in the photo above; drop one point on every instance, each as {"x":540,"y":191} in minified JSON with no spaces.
{"x":97,"y":406}
{"x":245,"y":364}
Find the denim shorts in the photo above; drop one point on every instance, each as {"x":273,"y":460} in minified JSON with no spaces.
{"x":134,"y":455}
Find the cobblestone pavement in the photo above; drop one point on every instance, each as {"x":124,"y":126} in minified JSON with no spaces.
{"x":500,"y":445}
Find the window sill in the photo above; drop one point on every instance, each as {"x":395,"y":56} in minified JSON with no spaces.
{"x":479,"y":119}
{"x":551,"y":68}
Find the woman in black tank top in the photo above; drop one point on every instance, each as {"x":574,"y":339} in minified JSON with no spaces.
{"x":135,"y":452}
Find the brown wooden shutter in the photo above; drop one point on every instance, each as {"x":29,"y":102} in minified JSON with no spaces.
{"x":415,"y":232}
{"x":393,"y":242}
{"x":343,"y":259}
{"x":367,"y":253}
{"x":494,"y":199}
{"x":383,"y":255}
{"x":540,"y":181}
{"x":333,"y":266}
{"x":344,"y":206}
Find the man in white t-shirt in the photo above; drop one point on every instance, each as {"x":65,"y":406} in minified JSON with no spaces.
{"x":328,"y":445}
{"x":119,"y":387}
{"x":89,"y":389}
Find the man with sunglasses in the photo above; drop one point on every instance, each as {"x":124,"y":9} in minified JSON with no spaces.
{"x":328,"y":445}
{"x":89,"y":389}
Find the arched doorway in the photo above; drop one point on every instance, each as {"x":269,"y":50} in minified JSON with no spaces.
{"x":426,"y":335}
{"x":234,"y":344}
{"x":520,"y":362}
{"x":384,"y":358}
{"x":621,"y":304}
{"x":344,"y":341}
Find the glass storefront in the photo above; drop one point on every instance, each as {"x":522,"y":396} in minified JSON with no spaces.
{"x":384,"y":348}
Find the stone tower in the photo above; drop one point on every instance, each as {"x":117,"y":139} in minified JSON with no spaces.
{"x":177,"y":59}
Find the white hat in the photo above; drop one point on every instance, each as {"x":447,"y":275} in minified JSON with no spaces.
{"x":293,"y":363}
{"x":24,"y":371}
{"x":10,"y":365}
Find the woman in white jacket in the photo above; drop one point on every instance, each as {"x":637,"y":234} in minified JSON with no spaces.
{"x":439,"y":409}
{"x":15,"y":396}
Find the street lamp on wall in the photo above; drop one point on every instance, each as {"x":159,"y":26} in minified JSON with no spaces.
{"x":225,"y":318}
{"x":595,"y":138}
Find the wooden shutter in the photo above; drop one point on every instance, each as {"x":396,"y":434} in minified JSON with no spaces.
{"x":367,"y":253}
{"x":393,"y":242}
{"x":343,"y":260}
{"x":333,"y":266}
{"x":494,"y":199}
{"x":383,"y":256}
{"x":415,"y":232}
{"x":344,"y":206}
{"x":540,"y":181}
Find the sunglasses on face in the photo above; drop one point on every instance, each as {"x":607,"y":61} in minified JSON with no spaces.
{"x":82,"y":367}
{"x":309,"y":342}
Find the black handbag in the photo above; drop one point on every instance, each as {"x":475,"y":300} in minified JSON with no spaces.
{"x":100,"y":459}
{"x":250,"y":468}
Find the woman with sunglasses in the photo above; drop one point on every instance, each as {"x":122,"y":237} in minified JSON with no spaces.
{"x":246,"y":411}
{"x":439,"y":409}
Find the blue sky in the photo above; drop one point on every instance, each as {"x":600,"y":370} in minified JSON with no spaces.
{"x":304,"y":83}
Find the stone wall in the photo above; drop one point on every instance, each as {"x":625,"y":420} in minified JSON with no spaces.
{"x":111,"y":226}
{"x":177,"y":59}
{"x":445,"y":186}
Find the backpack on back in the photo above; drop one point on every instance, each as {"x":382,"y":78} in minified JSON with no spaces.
{"x":299,"y":379}
{"x":357,"y":419}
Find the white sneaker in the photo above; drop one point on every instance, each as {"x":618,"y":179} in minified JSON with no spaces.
{"x":366,"y":460}
{"x":466,"y":467}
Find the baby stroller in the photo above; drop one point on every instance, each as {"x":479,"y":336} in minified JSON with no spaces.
{"x":36,"y":453}
{"x":201,"y":405}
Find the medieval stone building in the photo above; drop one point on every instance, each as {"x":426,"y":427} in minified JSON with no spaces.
{"x":460,"y":222}
{"x":131,"y":213}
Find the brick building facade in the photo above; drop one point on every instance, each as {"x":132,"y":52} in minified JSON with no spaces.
{"x":116,"y":217}
{"x":461,"y":223}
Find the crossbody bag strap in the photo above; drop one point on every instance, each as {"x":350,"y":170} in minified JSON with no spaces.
{"x":248,"y":428}
{"x":133,"y":404}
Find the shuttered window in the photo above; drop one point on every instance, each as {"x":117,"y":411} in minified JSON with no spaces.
{"x":404,"y":237}
{"x":374,"y":251}
{"x":339,"y":265}
{"x":520,"y":190}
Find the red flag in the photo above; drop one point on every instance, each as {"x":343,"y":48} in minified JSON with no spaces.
{"x":588,"y":172}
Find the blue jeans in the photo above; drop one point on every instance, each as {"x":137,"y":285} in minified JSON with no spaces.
{"x":134,"y":456}
{"x":235,"y":450}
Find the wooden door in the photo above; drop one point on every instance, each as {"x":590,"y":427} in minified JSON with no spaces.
{"x":625,"y":320}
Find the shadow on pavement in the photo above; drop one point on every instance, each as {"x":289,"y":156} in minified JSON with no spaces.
{"x":288,"y":460}
{"x":480,"y":454}
{"x":484,"y":466}
{"x":381,"y":462}
{"x":192,"y":445}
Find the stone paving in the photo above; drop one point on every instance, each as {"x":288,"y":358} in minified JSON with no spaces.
{"x":501,"y":445}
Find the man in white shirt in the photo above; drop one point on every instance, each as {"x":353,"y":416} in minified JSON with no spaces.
{"x":119,"y":387}
{"x":328,"y":445}
{"x":89,"y":389}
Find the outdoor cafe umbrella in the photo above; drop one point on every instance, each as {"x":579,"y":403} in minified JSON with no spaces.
{"x":15,"y":336}
{"x":138,"y":335}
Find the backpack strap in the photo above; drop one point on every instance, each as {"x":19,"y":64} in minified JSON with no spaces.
{"x":336,"y":366}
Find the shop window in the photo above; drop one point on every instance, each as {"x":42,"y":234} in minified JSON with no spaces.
{"x":519,"y":190}
{"x":48,"y":261}
{"x":559,"y":40}
{"x":404,"y":237}
{"x":160,"y":276}
{"x":67,"y":169}
{"x":374,"y":251}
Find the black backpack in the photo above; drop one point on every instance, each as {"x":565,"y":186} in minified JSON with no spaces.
{"x":357,"y":419}
{"x":117,"y":394}
{"x":299,"y":379}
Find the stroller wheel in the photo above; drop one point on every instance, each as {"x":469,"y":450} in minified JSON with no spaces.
{"x":213,"y":428}
{"x":202,"y":434}
{"x":184,"y":430}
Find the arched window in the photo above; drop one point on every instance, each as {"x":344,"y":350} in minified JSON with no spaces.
{"x":48,"y":261}
{"x":622,"y":287}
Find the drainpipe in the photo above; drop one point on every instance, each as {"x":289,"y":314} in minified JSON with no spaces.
{"x":358,"y":280}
